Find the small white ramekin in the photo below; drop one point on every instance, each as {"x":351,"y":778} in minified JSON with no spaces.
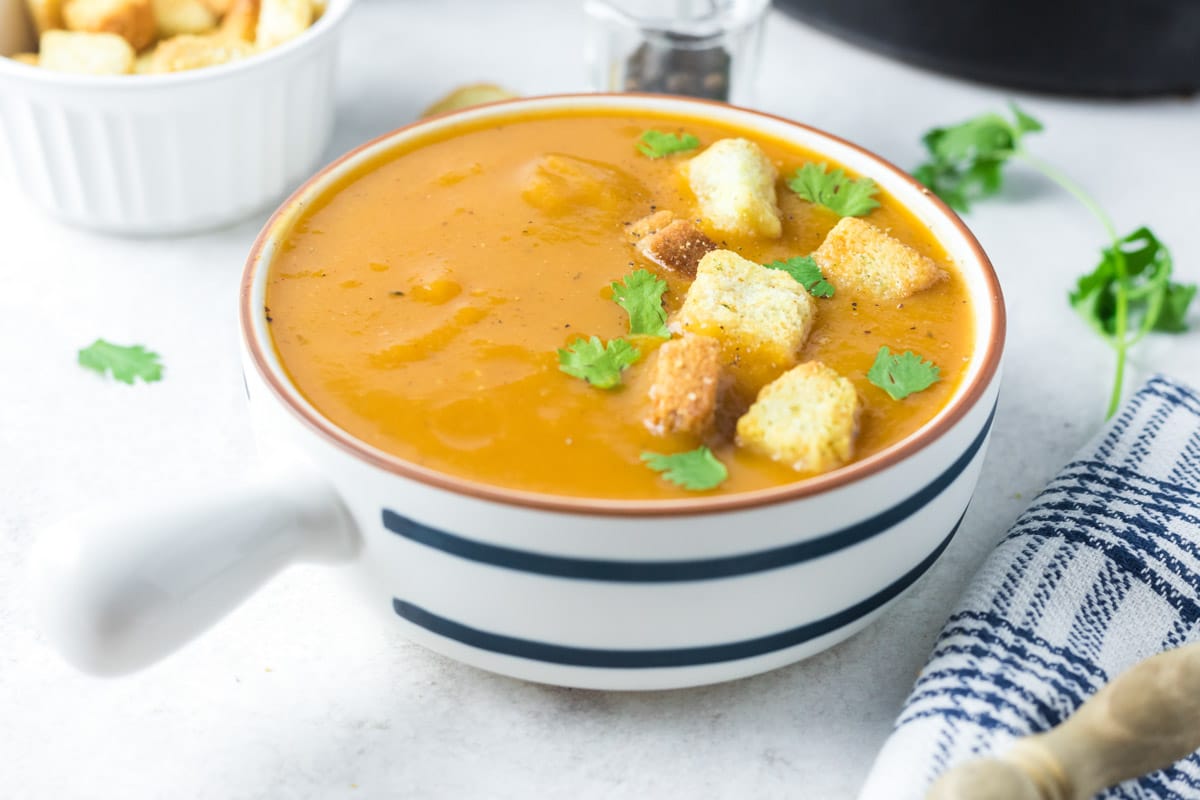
{"x":176,"y":153}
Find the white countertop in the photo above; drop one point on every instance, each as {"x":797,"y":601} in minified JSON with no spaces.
{"x":302,"y":692}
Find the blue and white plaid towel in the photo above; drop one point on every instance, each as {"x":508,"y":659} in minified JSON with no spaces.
{"x":1101,"y":571}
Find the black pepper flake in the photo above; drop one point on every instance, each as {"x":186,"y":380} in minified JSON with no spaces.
{"x":397,"y":293}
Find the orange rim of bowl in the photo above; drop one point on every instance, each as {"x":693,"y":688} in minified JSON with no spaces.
{"x":284,"y":390}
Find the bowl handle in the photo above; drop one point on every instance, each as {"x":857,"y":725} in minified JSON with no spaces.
{"x":117,"y":589}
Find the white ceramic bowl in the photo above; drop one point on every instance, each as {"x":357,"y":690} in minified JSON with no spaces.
{"x":588,"y":593}
{"x":175,"y":153}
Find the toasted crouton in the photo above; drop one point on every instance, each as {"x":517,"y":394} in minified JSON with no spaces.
{"x":181,"y":53}
{"x":651,"y":224}
{"x":466,"y":96}
{"x":144,"y":63}
{"x":46,"y":14}
{"x":807,"y":418}
{"x":687,"y":377}
{"x":281,"y":20}
{"x":242,"y":20}
{"x":86,"y":53}
{"x":175,"y":17}
{"x":734,"y":182}
{"x":132,"y":20}
{"x":26,"y":58}
{"x":677,"y":247}
{"x":860,"y":258}
{"x":748,"y":306}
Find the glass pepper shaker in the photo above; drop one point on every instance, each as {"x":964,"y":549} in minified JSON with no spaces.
{"x":700,"y":48}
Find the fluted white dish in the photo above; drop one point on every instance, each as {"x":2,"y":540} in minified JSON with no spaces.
{"x":573,"y":591}
{"x":174,"y":153}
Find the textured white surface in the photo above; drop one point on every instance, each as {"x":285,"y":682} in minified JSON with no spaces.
{"x":301,"y":693}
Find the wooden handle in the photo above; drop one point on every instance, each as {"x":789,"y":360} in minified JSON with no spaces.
{"x":1146,"y":719}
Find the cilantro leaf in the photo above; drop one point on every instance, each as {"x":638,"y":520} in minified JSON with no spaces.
{"x":1153,"y":301}
{"x":597,"y":363}
{"x":841,"y":195}
{"x":640,"y":294}
{"x":807,"y":273}
{"x":124,"y":363}
{"x":657,"y":144}
{"x":966,"y":160}
{"x":902,"y":375}
{"x":696,"y":470}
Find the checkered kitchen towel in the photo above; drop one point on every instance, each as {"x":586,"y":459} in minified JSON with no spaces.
{"x":1102,"y":571}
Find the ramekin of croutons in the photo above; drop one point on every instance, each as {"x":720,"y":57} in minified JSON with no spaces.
{"x":159,"y":117}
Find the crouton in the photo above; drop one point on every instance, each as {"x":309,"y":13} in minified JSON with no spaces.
{"x":651,"y":224}
{"x":47,"y":14}
{"x":734,"y":182}
{"x":683,"y":394}
{"x":859,"y":258}
{"x":753,"y":308}
{"x":144,"y":63}
{"x":175,"y":17}
{"x":86,"y":53}
{"x":677,"y":247}
{"x":132,"y":20}
{"x":241,"y":22}
{"x":26,"y":58}
{"x":281,"y":20}
{"x":807,"y":418}
{"x":466,"y":96}
{"x":181,"y":53}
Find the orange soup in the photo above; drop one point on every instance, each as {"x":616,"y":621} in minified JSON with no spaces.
{"x":420,"y":305}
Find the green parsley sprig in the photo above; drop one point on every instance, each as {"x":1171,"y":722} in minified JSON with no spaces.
{"x":902,"y":375}
{"x":598,"y":363}
{"x":841,"y":195}
{"x":1130,"y":292}
{"x":696,"y":470}
{"x":966,"y":160}
{"x":657,"y":144}
{"x":807,"y":273}
{"x":125,"y":364}
{"x":640,"y":293}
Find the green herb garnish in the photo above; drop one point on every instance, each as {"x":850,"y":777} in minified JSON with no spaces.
{"x":965,"y":160}
{"x":902,"y":375}
{"x":1153,"y":301}
{"x":640,"y":294}
{"x":1127,"y":295}
{"x":123,"y":363}
{"x":597,"y":363}
{"x":841,"y":195}
{"x":696,"y":470}
{"x":807,"y":273}
{"x":657,"y":144}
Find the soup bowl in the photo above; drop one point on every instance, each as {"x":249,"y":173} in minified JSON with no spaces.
{"x":593,"y":593}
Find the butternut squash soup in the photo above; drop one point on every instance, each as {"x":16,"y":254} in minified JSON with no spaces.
{"x":614,"y":305}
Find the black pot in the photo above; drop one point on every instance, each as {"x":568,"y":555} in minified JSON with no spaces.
{"x":1114,"y":48}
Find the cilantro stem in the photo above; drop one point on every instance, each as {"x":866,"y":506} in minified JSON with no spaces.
{"x":1120,"y":336}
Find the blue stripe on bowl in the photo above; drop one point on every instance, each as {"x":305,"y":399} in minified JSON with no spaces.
{"x":691,"y":570}
{"x":674,"y":657}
